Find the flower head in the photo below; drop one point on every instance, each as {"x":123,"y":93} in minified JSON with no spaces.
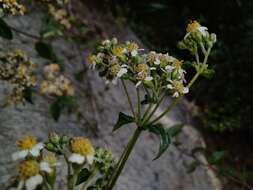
{"x":28,"y":146}
{"x":82,"y":150}
{"x":195,"y":27}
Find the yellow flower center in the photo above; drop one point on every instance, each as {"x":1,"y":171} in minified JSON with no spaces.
{"x":82,"y":146}
{"x":91,"y":59}
{"x":114,"y":69}
{"x":178,"y":64}
{"x":50,"y":159}
{"x":28,"y":169}
{"x":27,"y":142}
{"x":193,"y":26}
{"x":118,"y":51}
{"x":142,"y":71}
{"x":131,"y":46}
{"x":179,"y":87}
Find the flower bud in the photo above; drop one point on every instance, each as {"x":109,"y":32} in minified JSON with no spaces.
{"x":50,"y":147}
{"x":64,"y":139}
{"x":54,"y":138}
{"x":213,"y":38}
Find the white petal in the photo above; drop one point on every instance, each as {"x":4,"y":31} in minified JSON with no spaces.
{"x":169,"y":86}
{"x":19,"y":154}
{"x":157,"y":62}
{"x":33,"y":182}
{"x":90,"y":159}
{"x":186,"y":36}
{"x":169,"y":68}
{"x":134,"y":53}
{"x":148,"y":78}
{"x":186,"y":90}
{"x":121,"y":72}
{"x":35,"y":151}
{"x":152,"y":68}
{"x":44,"y":166}
{"x":175,"y":95}
{"x":76,"y":158}
{"x":20,"y":185}
{"x":138,"y":84}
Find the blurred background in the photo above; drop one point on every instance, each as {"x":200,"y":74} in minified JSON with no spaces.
{"x":222,"y":103}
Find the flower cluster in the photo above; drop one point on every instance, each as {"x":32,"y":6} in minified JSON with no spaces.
{"x":17,"y":70}
{"x":197,"y":36}
{"x":40,"y":161}
{"x":60,"y":15}
{"x":154,"y":70}
{"x":12,"y":7}
{"x":55,"y":84}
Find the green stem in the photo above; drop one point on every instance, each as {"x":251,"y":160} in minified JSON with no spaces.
{"x":139,"y":104}
{"x":145,"y":120}
{"x":128,"y":98}
{"x":87,"y":182}
{"x":123,"y":159}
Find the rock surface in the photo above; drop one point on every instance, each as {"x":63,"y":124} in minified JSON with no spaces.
{"x":102,"y":106}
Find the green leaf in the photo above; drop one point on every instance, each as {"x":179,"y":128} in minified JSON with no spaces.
{"x":123,"y":119}
{"x":50,"y":28}
{"x":28,"y":95}
{"x":193,"y":166}
{"x":83,"y":176}
{"x":174,"y":130}
{"x":61,"y":103}
{"x":164,"y":138}
{"x":216,"y":157}
{"x":5,"y":30}
{"x":208,"y":73}
{"x":45,"y":50}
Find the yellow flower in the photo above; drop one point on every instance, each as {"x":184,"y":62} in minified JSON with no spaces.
{"x":28,"y":169}
{"x":118,"y":51}
{"x":82,"y":150}
{"x":28,"y":146}
{"x":194,"y":27}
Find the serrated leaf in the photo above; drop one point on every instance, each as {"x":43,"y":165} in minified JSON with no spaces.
{"x":123,"y":119}
{"x":216,"y":157}
{"x":45,"y":50}
{"x":192,"y":167}
{"x":83,"y":176}
{"x":174,"y":130}
{"x":5,"y":30}
{"x":164,"y":138}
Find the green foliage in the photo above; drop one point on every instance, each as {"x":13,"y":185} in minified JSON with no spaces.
{"x":45,"y":50}
{"x":216,"y":157}
{"x":123,"y":119}
{"x":83,"y":176}
{"x":5,"y":31}
{"x":60,"y":104}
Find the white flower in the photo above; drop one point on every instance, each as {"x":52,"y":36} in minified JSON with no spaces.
{"x":169,"y":68}
{"x":28,"y":146}
{"x":45,"y":167}
{"x":194,"y":26}
{"x":122,"y":71}
{"x":178,"y":88}
{"x":149,"y":78}
{"x":30,"y":183}
{"x":134,"y":53}
{"x":82,"y":150}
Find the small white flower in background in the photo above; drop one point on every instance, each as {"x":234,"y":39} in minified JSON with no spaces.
{"x":178,"y":88}
{"x":148,"y":78}
{"x":82,"y":151}
{"x":193,"y":27}
{"x":169,"y":68}
{"x":122,"y":71}
{"x":28,"y":146}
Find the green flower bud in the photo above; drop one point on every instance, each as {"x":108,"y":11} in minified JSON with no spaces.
{"x":50,"y":147}
{"x":64,"y":139}
{"x":213,"y":38}
{"x":54,"y":138}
